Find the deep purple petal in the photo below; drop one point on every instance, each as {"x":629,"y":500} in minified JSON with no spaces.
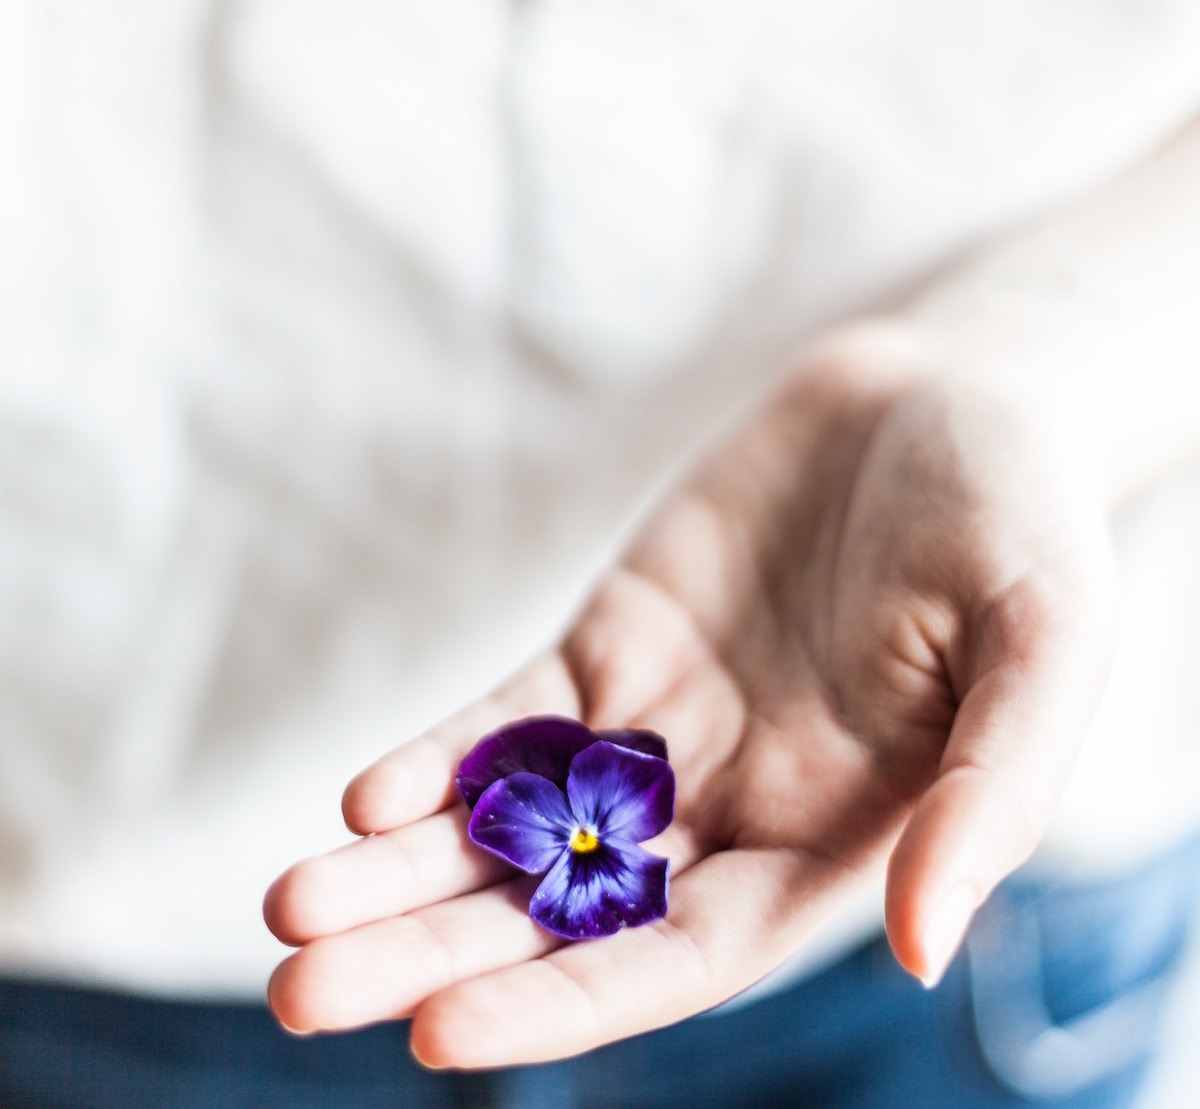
{"x":616,"y":886}
{"x":636,"y":739}
{"x":622,"y":793}
{"x":523,"y":818}
{"x":542,"y":745}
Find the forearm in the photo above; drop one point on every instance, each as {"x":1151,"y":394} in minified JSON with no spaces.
{"x":1090,"y":319}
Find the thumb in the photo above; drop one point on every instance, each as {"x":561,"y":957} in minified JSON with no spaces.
{"x":1015,"y":737}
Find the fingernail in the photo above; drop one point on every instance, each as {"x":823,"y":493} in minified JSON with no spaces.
{"x":297,"y":1032}
{"x":427,"y":1066}
{"x":945,"y":932}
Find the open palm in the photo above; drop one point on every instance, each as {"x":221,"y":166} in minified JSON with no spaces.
{"x":873,"y":626}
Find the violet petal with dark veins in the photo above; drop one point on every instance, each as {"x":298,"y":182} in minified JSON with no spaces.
{"x":581,"y":824}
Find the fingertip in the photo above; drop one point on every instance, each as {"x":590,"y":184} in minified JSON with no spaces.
{"x":298,"y":905}
{"x":427,"y":1041}
{"x":945,"y":930}
{"x":409,"y":783}
{"x":425,"y":1064}
{"x":275,"y":911}
{"x":926,"y":942}
{"x":286,"y":1002}
{"x":468,"y":1026}
{"x":942,"y":869}
{"x":373,"y":797}
{"x":331,"y":985}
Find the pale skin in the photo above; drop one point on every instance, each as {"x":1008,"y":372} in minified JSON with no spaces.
{"x":873,"y":627}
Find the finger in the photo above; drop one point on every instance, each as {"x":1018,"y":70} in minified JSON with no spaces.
{"x":632,"y":643}
{"x":380,"y":970}
{"x":379,"y":876}
{"x":734,"y":917}
{"x":702,"y":717}
{"x":417,"y":779}
{"x":643,"y":663}
{"x":1014,"y":740}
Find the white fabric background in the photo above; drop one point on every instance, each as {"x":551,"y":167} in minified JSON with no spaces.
{"x":340,"y":342}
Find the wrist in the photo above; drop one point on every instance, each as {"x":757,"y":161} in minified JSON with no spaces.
{"x":878,"y":362}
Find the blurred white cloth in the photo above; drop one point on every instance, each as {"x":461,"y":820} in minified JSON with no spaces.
{"x":340,"y":342}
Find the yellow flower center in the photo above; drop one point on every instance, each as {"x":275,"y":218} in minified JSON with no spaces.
{"x":584,"y":841}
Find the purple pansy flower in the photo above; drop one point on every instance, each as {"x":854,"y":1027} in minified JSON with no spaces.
{"x":551,"y":796}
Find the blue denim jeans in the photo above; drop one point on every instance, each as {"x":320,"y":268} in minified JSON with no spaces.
{"x":1053,"y":1002}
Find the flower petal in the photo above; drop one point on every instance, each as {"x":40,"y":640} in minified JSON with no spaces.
{"x":636,"y":739}
{"x":542,"y":745}
{"x":621,"y":793}
{"x":523,"y":818}
{"x":586,"y":896}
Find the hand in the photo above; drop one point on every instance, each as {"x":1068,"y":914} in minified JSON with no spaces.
{"x":875,"y":623}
